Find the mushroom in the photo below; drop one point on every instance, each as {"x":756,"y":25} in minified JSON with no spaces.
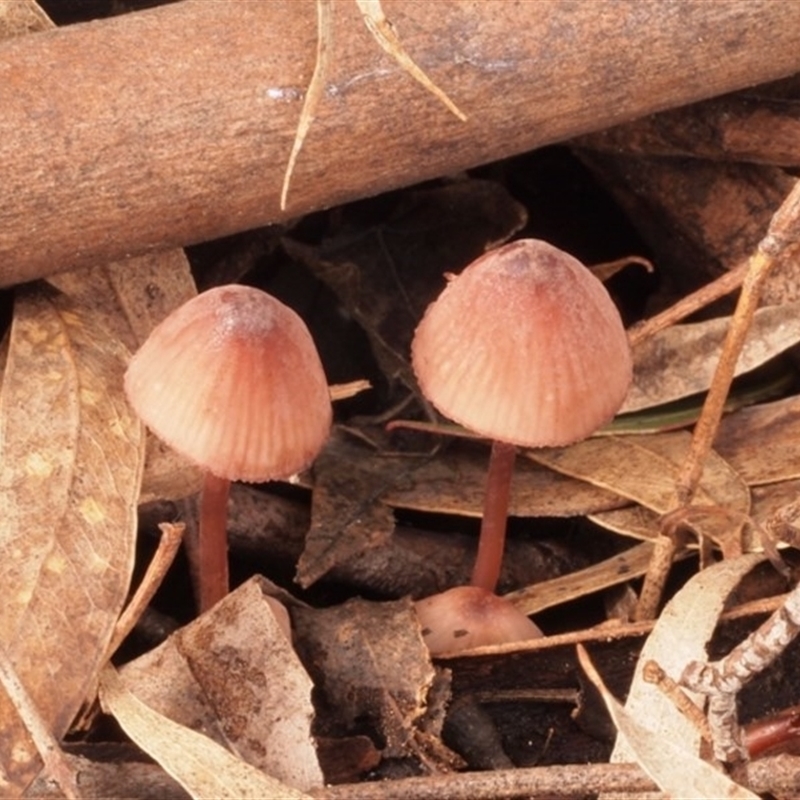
{"x":525,"y":347}
{"x":465,"y":617}
{"x":232,"y":380}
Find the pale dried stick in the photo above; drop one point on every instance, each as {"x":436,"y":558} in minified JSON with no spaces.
{"x":171,"y":537}
{"x":313,"y":93}
{"x":722,"y":680}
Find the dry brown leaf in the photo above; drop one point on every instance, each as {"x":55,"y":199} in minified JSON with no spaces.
{"x":356,"y":489}
{"x":680,"y":361}
{"x":233,"y":674}
{"x":680,"y":636}
{"x":677,"y":771}
{"x":371,"y":666}
{"x":72,"y":455}
{"x":347,"y":514}
{"x":618,"y":569}
{"x":455,"y":481}
{"x":760,"y":442}
{"x":200,"y":765}
{"x":644,"y":469}
{"x":20,"y":760}
{"x":132,"y":297}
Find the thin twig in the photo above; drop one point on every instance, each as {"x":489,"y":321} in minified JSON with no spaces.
{"x":313,"y":93}
{"x":171,"y":537}
{"x":718,"y":288}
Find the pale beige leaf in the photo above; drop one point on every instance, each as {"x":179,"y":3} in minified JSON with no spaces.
{"x":634,"y":521}
{"x":71,"y":455}
{"x":233,"y":674}
{"x":679,"y":637}
{"x":680,"y":360}
{"x":677,"y":772}
{"x":201,"y":766}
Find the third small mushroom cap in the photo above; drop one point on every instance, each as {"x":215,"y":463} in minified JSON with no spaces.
{"x":524,"y":346}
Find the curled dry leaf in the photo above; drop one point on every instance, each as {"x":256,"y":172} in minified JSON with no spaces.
{"x":200,"y":765}
{"x":371,"y":666}
{"x":680,"y":361}
{"x":232,"y":673}
{"x":71,"y":455}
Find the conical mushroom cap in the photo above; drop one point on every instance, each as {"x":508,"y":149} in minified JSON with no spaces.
{"x":232,"y":380}
{"x":524,"y":346}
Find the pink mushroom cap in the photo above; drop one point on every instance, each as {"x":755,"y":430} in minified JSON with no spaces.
{"x":232,"y":380}
{"x":465,"y":617}
{"x":525,"y":346}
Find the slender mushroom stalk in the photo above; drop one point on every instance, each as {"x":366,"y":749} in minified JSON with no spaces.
{"x":492,"y":540}
{"x":526,"y":348}
{"x":233,"y":381}
{"x":212,"y":541}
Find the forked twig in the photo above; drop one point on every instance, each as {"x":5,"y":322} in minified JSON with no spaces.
{"x":380,"y":27}
{"x":783,"y":230}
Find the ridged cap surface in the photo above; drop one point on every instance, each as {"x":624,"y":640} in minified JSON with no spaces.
{"x":232,"y":380}
{"x":524,"y":346}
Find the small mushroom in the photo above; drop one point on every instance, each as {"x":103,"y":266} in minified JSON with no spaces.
{"x":232,"y":380}
{"x":525,"y":347}
{"x":465,"y":617}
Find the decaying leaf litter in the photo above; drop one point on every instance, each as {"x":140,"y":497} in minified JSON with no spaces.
{"x":374,"y":495}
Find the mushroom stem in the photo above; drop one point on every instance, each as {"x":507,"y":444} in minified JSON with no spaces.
{"x":491,"y":543}
{"x":212,"y":544}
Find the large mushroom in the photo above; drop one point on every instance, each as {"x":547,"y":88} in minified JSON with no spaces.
{"x":525,"y":347}
{"x":233,"y":381}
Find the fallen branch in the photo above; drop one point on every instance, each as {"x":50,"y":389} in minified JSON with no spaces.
{"x":174,"y":125}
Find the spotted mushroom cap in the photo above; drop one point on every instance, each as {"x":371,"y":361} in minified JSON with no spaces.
{"x":465,"y":617}
{"x":524,"y":346}
{"x":232,"y":380}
